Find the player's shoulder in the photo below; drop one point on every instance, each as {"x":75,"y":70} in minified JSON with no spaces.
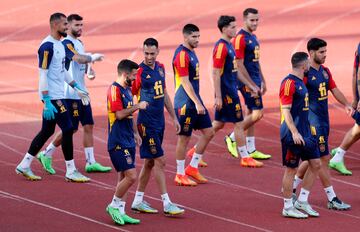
{"x":160,"y":65}
{"x":67,"y":41}
{"x":46,"y":46}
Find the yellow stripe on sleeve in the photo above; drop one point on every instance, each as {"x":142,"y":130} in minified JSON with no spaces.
{"x":71,"y":48}
{"x":287,"y":88}
{"x":237,"y":41}
{"x":45,"y":60}
{"x":113,"y":93}
{"x":219,"y":51}
{"x":182,"y":59}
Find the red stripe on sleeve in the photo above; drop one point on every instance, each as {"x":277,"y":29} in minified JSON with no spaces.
{"x":136,"y":86}
{"x":287,"y":91}
{"x":219,"y":55}
{"x":114,"y":99}
{"x":181,"y":63}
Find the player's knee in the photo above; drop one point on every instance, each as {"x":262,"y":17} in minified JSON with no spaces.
{"x":325,"y":160}
{"x":315,"y":165}
{"x":257,"y":115}
{"x":209,"y":134}
{"x":160,"y":163}
{"x":131,"y":177}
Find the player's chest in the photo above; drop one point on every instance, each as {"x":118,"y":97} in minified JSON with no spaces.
{"x":127,"y":98}
{"x":59,"y":53}
{"x":318,"y":83}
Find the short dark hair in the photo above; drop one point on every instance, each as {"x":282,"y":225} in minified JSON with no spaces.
{"x":224,"y":21}
{"x":315,"y":43}
{"x":151,"y":42}
{"x":297,"y":58}
{"x":74,"y":17}
{"x":127,"y":66}
{"x":56,"y":16}
{"x":248,"y":11}
{"x":190,"y":28}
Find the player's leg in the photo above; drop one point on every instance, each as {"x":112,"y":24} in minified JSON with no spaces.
{"x":291,"y":162}
{"x":87,"y":121}
{"x":337,"y":162}
{"x":64,"y":121}
{"x":123,"y":160}
{"x":45,"y":156}
{"x":47,"y":129}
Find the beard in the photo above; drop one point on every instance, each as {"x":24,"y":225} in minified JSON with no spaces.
{"x":63,"y":34}
{"x":76,"y":33}
{"x":318,"y":61}
{"x":128,"y":81}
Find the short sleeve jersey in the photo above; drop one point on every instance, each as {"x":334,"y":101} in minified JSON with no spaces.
{"x":247,"y":48}
{"x":224,"y":59}
{"x":51,"y":56}
{"x":77,"y":71}
{"x":293,"y":91}
{"x":149,"y":86}
{"x":185,"y":63}
{"x":120,"y":132}
{"x":318,"y":83}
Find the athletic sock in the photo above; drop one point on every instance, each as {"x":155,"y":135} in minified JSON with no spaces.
{"x":70,"y":166}
{"x":288,"y":203}
{"x":89,"y":155}
{"x":50,"y":149}
{"x":195,"y":160}
{"x":330,"y":193}
{"x":26,"y":161}
{"x":232,"y":136}
{"x":122,"y":207}
{"x":139,"y":196}
{"x":339,"y":156}
{"x":115,"y":203}
{"x":243,"y":152}
{"x":180,"y":167}
{"x":304,"y":195}
{"x":296,"y":183}
{"x":166,"y":199}
{"x":250,"y":144}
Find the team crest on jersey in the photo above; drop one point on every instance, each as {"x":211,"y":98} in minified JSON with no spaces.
{"x":322,"y":147}
{"x":161,"y":72}
{"x":250,"y":41}
{"x":59,"y":103}
{"x":257,"y":102}
{"x":153,"y":150}
{"x":75,"y":105}
{"x":326,"y":75}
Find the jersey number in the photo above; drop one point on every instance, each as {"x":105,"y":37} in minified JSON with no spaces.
{"x":256,"y":53}
{"x":306,"y":100}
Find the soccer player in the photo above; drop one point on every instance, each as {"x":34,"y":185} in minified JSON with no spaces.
{"x":122,"y":138}
{"x":227,"y":102}
{"x":150,"y":86}
{"x":189,"y":107}
{"x":247,"y":50}
{"x":52,"y":71}
{"x":318,"y":82}
{"x":75,"y":63}
{"x":353,"y":135}
{"x":296,"y":139}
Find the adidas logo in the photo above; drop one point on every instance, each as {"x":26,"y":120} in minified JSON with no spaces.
{"x":313,"y":78}
{"x":300,"y":88}
{"x":148,"y":77}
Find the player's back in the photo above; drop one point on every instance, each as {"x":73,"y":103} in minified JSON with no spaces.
{"x":51,"y":56}
{"x":293,"y":91}
{"x":185,"y":63}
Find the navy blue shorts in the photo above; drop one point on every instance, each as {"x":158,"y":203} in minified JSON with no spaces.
{"x":123,"y":158}
{"x":190,"y":120}
{"x":231,"y":111}
{"x":356,"y":117}
{"x":151,"y":142}
{"x":62,"y":117}
{"x":252,"y":103}
{"x":79,"y":113}
{"x":292,"y":153}
{"x":321,"y":134}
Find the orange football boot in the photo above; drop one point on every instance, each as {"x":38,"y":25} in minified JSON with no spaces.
{"x":250,"y":162}
{"x":194,"y":173}
{"x":190,"y":153}
{"x":183,"y":180}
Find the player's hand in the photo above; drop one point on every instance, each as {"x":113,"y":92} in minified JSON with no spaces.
{"x":263,"y":88}
{"x":96,"y":57}
{"x":49,"y":109}
{"x":255,"y":91}
{"x":354,"y":104}
{"x":200,"y":108}
{"x":218,"y":103}
{"x":143,"y":105}
{"x":177,"y":126}
{"x":358,"y":106}
{"x":349,"y":110}
{"x":298,"y":139}
{"x":90,"y":73}
{"x":84,"y":95}
{"x":138,"y":139}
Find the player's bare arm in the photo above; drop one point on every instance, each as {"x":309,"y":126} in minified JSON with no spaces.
{"x":245,"y":78}
{"x":297,"y":137}
{"x":84,"y":59}
{"x":217,"y":87}
{"x":339,"y":96}
{"x":263,"y":88}
{"x":169,"y":107}
{"x":191,"y":93}
{"x":128,"y":111}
